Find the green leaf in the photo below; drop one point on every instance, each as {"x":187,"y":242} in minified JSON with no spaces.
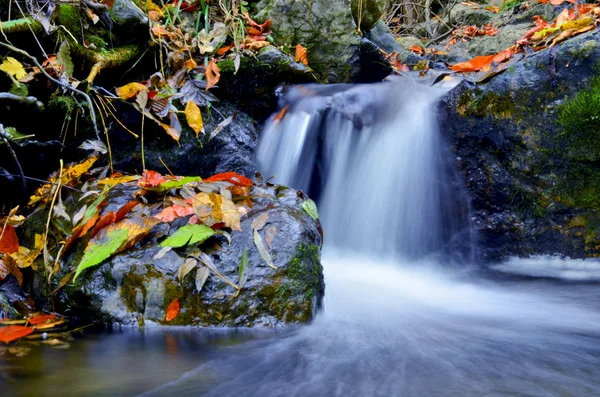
{"x":188,"y":234}
{"x":63,"y":58}
{"x":242,"y":274}
{"x":163,"y":187}
{"x":310,"y":208}
{"x":94,"y":254}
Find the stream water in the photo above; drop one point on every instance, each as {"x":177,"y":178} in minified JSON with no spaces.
{"x":407,"y":311}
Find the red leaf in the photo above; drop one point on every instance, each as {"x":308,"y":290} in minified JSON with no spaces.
{"x":169,"y":214}
{"x":281,"y":113}
{"x":223,"y":50}
{"x":416,"y":49}
{"x":9,"y":243}
{"x":231,"y":177}
{"x":172,"y":310}
{"x":473,"y":65}
{"x":41,"y":319}
{"x":13,"y":332}
{"x":151,"y":179}
{"x":124,"y":210}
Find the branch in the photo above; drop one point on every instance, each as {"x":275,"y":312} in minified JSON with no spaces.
{"x":29,"y":100}
{"x":58,"y":82}
{"x":4,"y":135}
{"x":20,"y":25}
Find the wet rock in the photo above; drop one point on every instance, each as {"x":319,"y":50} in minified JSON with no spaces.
{"x":136,"y":286}
{"x":367,"y":12}
{"x":381,"y":36}
{"x":325,"y":28}
{"x":462,"y":15}
{"x":519,"y":151}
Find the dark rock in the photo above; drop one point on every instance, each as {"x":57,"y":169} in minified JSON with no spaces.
{"x":521,"y":161}
{"x":381,"y":36}
{"x":373,"y":65}
{"x":368,"y":12}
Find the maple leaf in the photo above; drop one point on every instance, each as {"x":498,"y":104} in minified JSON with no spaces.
{"x":212,"y":74}
{"x":194,"y":117}
{"x":151,"y":179}
{"x":13,"y":68}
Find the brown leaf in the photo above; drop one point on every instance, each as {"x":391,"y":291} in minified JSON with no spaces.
{"x":300,"y":55}
{"x":9,"y":242}
{"x":212,"y":74}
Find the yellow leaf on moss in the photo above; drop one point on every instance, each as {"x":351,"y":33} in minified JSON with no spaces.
{"x":130,"y":90}
{"x":194,"y":117}
{"x":13,"y":67}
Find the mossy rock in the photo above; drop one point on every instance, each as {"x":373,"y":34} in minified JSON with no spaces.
{"x":368,"y":12}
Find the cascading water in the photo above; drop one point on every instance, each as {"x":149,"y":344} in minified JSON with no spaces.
{"x":372,"y":156}
{"x":395,"y":322}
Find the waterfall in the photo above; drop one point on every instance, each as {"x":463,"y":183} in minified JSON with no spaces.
{"x":372,"y":157}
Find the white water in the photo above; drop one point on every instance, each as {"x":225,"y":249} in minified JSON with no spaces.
{"x":397,"y":319}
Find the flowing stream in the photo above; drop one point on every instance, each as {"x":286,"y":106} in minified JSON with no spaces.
{"x":407,"y":311}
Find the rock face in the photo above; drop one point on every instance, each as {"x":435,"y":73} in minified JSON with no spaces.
{"x":368,"y":12}
{"x":135,"y":287}
{"x":325,"y":27}
{"x":525,"y":143}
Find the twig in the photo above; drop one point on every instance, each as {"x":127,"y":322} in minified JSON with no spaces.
{"x":6,"y":175}
{"x":15,"y":158}
{"x":58,"y":82}
{"x":29,"y":100}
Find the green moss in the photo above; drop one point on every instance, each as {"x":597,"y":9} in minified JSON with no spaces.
{"x":480,"y":104}
{"x":68,"y":16}
{"x":510,"y":4}
{"x":63,"y":103}
{"x":584,"y":50}
{"x":579,"y":118}
{"x":19,"y":89}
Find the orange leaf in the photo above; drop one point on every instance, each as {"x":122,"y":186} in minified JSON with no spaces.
{"x":504,"y":55}
{"x":151,"y":179}
{"x":112,"y":217}
{"x":212,"y":74}
{"x":88,"y":225}
{"x":169,"y":214}
{"x":13,"y":332}
{"x":474,"y":64}
{"x":416,"y":49}
{"x":231,"y":177}
{"x":130,"y":90}
{"x":41,"y":319}
{"x":9,"y":267}
{"x":301,"y":55}
{"x":9,"y":242}
{"x":494,"y":9}
{"x":159,"y":31}
{"x":281,"y":113}
{"x":223,"y":50}
{"x":172,"y":310}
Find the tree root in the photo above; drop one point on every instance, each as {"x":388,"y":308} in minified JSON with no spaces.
{"x":29,"y":100}
{"x":111,"y":59}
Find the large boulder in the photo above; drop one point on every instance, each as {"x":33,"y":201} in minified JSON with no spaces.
{"x":136,"y":286}
{"x":367,"y":13}
{"x":525,"y":145}
{"x":325,"y":28}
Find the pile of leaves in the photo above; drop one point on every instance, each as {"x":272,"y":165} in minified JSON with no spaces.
{"x":575,"y":19}
{"x":211,"y":207}
{"x":37,"y":329}
{"x":466,"y":33}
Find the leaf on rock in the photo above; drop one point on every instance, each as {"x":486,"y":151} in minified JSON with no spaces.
{"x":130,"y":90}
{"x":112,"y":217}
{"x":270,"y":235}
{"x":173,"y":212}
{"x":230,"y":177}
{"x":194,"y":117}
{"x":243,"y":270}
{"x":212,"y":208}
{"x":262,"y":250}
{"x":41,"y":319}
{"x":13,"y":332}
{"x":188,"y":234}
{"x":300,"y":55}
{"x":25,"y":257}
{"x":151,"y":179}
{"x":172,"y":310}
{"x":310,"y":208}
{"x":9,"y":242}
{"x":259,"y":222}
{"x":63,"y":58}
{"x":201,"y":277}
{"x":13,"y":68}
{"x":220,"y":127}
{"x":475,"y":64}
{"x":212,"y":74}
{"x":188,"y":265}
{"x":113,"y":181}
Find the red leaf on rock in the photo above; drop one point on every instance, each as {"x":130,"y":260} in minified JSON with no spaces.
{"x":13,"y":332}
{"x":231,"y":177}
{"x":172,"y":310}
{"x":9,"y":242}
{"x":151,"y":179}
{"x":41,"y":319}
{"x":474,"y":64}
{"x":169,"y":214}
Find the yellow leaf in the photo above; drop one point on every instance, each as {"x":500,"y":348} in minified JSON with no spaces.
{"x":25,"y":257}
{"x":212,"y":208}
{"x":118,"y":180}
{"x":173,"y":133}
{"x":194,"y":117}
{"x":130,"y":90}
{"x":70,"y":175}
{"x":13,"y":67}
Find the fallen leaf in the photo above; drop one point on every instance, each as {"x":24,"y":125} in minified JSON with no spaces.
{"x":188,"y":265}
{"x":220,"y":127}
{"x":172,"y":132}
{"x":172,"y":310}
{"x":151,"y":179}
{"x":130,"y":90}
{"x":41,"y":319}
{"x":194,"y":117}
{"x":300,"y":55}
{"x":12,"y":332}
{"x":118,"y":180}
{"x":188,"y":234}
{"x":212,"y":74}
{"x":259,"y":222}
{"x":474,"y":64}
{"x":493,"y":9}
{"x":213,"y":208}
{"x":223,"y":50}
{"x":310,"y":208}
{"x":173,"y":212}
{"x":270,"y":235}
{"x":8,"y":267}
{"x":13,"y":68}
{"x":231,"y":177}
{"x":262,"y":250}
{"x":417,"y":49}
{"x":201,"y":277}
{"x":25,"y":257}
{"x":243,"y":270}
{"x":12,"y":218}
{"x":9,"y":242}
